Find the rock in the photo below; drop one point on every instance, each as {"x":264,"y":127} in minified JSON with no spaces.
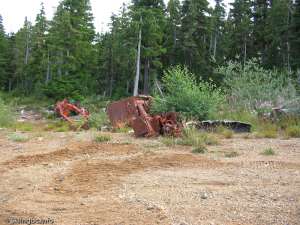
{"x":204,"y":196}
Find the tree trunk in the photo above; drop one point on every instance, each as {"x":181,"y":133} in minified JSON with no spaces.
{"x":245,"y":50}
{"x":48,"y":69}
{"x":215,"y":44}
{"x":138,"y":64}
{"x":146,"y":76}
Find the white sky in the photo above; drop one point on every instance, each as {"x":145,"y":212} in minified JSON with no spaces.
{"x":14,"y":11}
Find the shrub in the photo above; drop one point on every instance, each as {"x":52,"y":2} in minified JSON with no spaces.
{"x":252,"y":87}
{"x":102,"y":138}
{"x":98,"y":120}
{"x":293,"y":131}
{"x":183,"y":94}
{"x":7,"y":118}
{"x":268,"y":151}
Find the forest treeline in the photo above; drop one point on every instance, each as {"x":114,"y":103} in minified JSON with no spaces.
{"x":65,"y":57}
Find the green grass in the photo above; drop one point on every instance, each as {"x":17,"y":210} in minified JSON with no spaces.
{"x":102,"y":138}
{"x":191,"y":137}
{"x":225,"y":132}
{"x":231,"y":154}
{"x":7,"y":117}
{"x":268,"y":152}
{"x":58,"y":126}
{"x":267,"y":130}
{"x":194,"y":137}
{"x":24,"y":126}
{"x":168,"y":141}
{"x":17,"y":137}
{"x":124,"y":129}
{"x":98,"y":120}
{"x":201,"y":149}
{"x":293,"y":131}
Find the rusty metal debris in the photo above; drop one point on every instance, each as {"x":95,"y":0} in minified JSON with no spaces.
{"x":135,"y":112}
{"x":65,"y":109}
{"x":236,"y":126}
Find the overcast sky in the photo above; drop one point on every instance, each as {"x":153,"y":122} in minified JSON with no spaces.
{"x":14,"y":11}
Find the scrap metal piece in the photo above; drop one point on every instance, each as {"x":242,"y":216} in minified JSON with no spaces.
{"x":65,"y":109}
{"x":236,"y":126}
{"x":134,"y":112}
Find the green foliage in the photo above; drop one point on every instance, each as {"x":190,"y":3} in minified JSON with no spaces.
{"x":61,"y":88}
{"x":293,"y":131}
{"x":24,"y":126}
{"x":102,"y":138}
{"x":268,"y":152}
{"x":193,"y":137}
{"x":231,"y":154}
{"x":184,"y":95}
{"x":7,"y":118}
{"x":225,"y":132}
{"x":58,"y":126}
{"x":251,"y":87}
{"x":18,"y":137}
{"x":98,"y":120}
{"x":267,"y":130}
{"x":201,"y":149}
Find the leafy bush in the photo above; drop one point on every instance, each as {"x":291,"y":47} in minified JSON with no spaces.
{"x":252,"y":87}
{"x":184,"y":95}
{"x":97,"y":120}
{"x":7,"y":118}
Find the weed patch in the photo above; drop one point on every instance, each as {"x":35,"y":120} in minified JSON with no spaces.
{"x":293,"y":131}
{"x":268,"y":152}
{"x":102,"y":138}
{"x":17,"y":137}
{"x":201,"y":149}
{"x":231,"y":154}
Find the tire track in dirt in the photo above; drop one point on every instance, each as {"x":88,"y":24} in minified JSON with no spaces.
{"x":69,"y":152}
{"x":86,"y":177}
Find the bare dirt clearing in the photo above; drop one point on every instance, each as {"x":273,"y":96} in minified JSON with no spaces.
{"x":67,"y":177}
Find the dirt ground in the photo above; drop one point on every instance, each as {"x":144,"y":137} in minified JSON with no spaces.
{"x":68,"y":178}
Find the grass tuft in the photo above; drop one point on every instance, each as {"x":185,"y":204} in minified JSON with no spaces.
{"x":231,"y":154}
{"x":225,"y":132}
{"x":102,"y":138}
{"x":293,"y":131}
{"x":268,"y":152}
{"x":58,"y":126}
{"x":201,"y":149}
{"x":24,"y":126}
{"x":17,"y":137}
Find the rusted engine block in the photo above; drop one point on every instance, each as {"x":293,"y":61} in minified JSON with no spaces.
{"x":135,"y":112}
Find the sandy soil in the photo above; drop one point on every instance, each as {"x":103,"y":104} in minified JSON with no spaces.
{"x":73,"y":181}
